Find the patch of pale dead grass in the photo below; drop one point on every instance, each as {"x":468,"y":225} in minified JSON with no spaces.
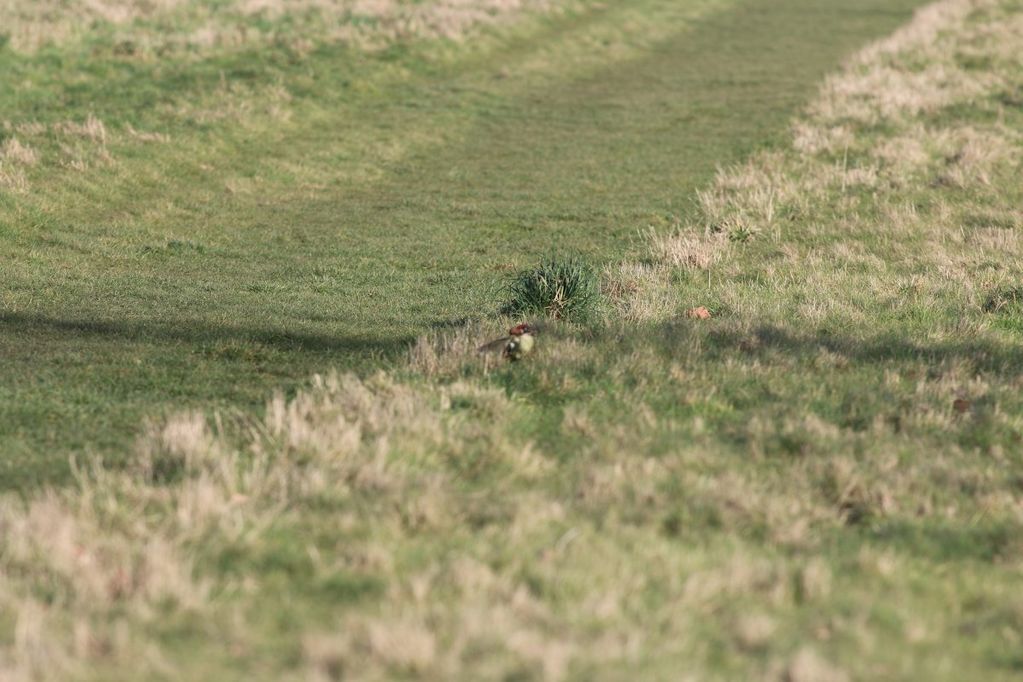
{"x":192,"y":24}
{"x":15,"y":157}
{"x":638,"y":292}
{"x":75,"y":145}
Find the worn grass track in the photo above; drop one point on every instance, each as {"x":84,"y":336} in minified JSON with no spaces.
{"x":372,"y":200}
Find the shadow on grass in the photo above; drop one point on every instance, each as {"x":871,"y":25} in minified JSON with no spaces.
{"x":982,"y":356}
{"x":84,"y":387}
{"x":200,"y":332}
{"x":984,"y":541}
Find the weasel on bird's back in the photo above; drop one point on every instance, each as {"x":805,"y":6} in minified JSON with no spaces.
{"x":520,"y":341}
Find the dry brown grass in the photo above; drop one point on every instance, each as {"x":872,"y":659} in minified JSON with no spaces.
{"x":876,"y":87}
{"x":446,"y":352}
{"x":15,"y":157}
{"x":144,"y":24}
{"x":638,"y":292}
{"x":72,"y":145}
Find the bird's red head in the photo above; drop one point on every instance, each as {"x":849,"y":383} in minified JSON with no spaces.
{"x":520,"y":329}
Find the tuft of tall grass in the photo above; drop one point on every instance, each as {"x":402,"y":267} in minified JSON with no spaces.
{"x":558,"y":287}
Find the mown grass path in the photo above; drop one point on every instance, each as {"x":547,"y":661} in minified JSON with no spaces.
{"x":238,"y":259}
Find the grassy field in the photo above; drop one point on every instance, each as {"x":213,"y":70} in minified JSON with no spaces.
{"x":201,"y":223}
{"x":819,"y":482}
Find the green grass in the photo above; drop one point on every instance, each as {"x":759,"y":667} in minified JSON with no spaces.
{"x":820,"y":481}
{"x":559,"y":287}
{"x":320,"y":208}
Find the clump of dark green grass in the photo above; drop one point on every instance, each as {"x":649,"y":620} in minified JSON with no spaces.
{"x":558,"y":287}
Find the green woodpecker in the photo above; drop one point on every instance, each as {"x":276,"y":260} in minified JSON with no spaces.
{"x":520,"y":341}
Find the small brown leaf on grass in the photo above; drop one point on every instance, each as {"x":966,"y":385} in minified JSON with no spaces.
{"x":698,"y":313}
{"x":961,"y":405}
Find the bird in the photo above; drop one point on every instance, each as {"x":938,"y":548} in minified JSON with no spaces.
{"x":519,"y":342}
